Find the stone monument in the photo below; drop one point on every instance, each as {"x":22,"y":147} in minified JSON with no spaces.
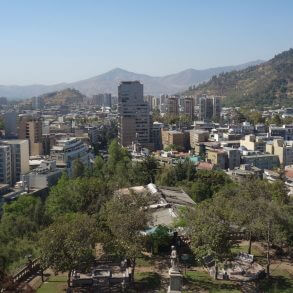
{"x":174,"y":273}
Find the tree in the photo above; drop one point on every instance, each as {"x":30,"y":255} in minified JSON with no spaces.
{"x":144,"y":172}
{"x":125,"y":217}
{"x":167,"y":176}
{"x":208,"y":227}
{"x":68,"y":243}
{"x":77,"y":195}
{"x":78,"y":168}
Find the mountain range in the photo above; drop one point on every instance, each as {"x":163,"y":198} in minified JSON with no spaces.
{"x":267,"y":84}
{"x":108,"y":82}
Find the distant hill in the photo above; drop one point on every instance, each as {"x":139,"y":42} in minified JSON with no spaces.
{"x":269,"y":83}
{"x":108,"y":82}
{"x":63,"y":97}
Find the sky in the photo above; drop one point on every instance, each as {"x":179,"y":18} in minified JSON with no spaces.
{"x":52,"y":41}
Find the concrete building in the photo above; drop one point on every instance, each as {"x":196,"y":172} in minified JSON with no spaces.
{"x":163,"y":103}
{"x":188,"y":107}
{"x":198,"y":135}
{"x":102,"y":100}
{"x":66,"y":151}
{"x":157,"y":135}
{"x":173,"y":105}
{"x":37,"y":103}
{"x":282,"y":149}
{"x":134,"y":120}
{"x":19,"y":158}
{"x":149,"y":99}
{"x":46,"y":175}
{"x":5,"y":165}
{"x":263,"y":161}
{"x":10,"y":124}
{"x":209,"y":108}
{"x":173,"y":137}
{"x":234,"y":158}
{"x":217,"y":157}
{"x":253,"y":143}
{"x":31,"y":129}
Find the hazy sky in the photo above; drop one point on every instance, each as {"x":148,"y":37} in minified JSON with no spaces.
{"x":50,"y":41}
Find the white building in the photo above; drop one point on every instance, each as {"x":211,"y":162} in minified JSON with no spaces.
{"x":19,"y":158}
{"x":46,"y":175}
{"x":67,"y":150}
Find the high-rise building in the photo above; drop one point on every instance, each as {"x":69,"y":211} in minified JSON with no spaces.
{"x":216,"y":107}
{"x":19,"y":157}
{"x":102,"y":100}
{"x":37,"y":103}
{"x":209,"y":108}
{"x":149,"y":100}
{"x":10,"y":124}
{"x":163,"y":103}
{"x":134,"y":121}
{"x":173,"y":105}
{"x":31,"y":128}
{"x":188,"y":107}
{"x":5,"y":165}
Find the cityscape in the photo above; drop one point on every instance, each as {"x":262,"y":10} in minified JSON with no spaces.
{"x":162,"y":182}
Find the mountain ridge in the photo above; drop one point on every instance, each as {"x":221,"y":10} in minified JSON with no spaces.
{"x":267,"y":84}
{"x":108,"y":82}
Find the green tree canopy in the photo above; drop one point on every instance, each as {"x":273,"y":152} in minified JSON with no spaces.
{"x":69,"y":243}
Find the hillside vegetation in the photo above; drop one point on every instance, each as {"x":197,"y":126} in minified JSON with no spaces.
{"x":266,"y":84}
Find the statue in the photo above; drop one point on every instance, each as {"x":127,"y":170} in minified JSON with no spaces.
{"x":175,"y":276}
{"x":173,"y":258}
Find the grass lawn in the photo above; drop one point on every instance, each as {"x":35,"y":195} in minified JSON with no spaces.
{"x":147,"y":280}
{"x":144,"y":261}
{"x":56,"y":284}
{"x":244,"y":248}
{"x":197,"y":280}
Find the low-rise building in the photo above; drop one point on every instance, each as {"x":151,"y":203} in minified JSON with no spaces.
{"x":217,"y":157}
{"x":198,"y":135}
{"x":253,"y":143}
{"x":234,"y":157}
{"x":282,"y":149}
{"x":173,"y":137}
{"x":261,"y":161}
{"x":44,"y":176}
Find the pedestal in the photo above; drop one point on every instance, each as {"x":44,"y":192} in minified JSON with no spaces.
{"x":175,"y":281}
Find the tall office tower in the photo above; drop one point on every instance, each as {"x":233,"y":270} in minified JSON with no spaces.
{"x":188,"y":107}
{"x":134,"y":121}
{"x":173,"y":105}
{"x":31,"y":128}
{"x":209,"y":108}
{"x":19,"y":158}
{"x":149,"y":100}
{"x":5,"y":164}
{"x":10,"y":124}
